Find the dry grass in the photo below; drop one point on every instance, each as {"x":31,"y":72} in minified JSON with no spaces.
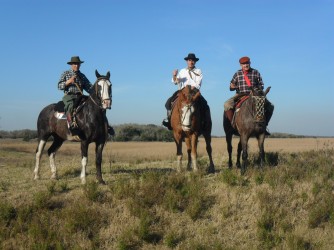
{"x":146,"y":205}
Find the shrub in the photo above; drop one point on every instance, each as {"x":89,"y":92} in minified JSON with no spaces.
{"x":92,"y":192}
{"x":229,"y":177}
{"x":42,"y":199}
{"x":172,"y":239}
{"x":7,"y":213}
{"x":322,"y":210}
{"x":298,"y":242}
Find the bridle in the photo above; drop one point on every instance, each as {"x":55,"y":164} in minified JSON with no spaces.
{"x":97,"y":92}
{"x":188,"y":107}
{"x":258,"y":102}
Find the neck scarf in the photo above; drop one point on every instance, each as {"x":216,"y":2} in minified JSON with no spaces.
{"x":247,"y":79}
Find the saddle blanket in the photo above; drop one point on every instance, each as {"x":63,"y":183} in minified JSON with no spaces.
{"x":60,"y":115}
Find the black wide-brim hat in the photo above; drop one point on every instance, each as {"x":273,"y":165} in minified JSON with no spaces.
{"x":75,"y":59}
{"x":192,"y":57}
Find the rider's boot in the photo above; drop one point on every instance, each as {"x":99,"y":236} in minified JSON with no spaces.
{"x":166,"y":122}
{"x":111,"y":130}
{"x":229,"y":115}
{"x":71,"y":123}
{"x":268,"y":114}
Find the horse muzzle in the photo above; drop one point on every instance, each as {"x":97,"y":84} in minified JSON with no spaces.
{"x":106,"y":104}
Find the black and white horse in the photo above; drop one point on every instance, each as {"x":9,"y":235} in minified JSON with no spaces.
{"x":91,"y":120}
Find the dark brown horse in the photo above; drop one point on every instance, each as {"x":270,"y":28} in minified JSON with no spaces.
{"x":91,"y":120}
{"x":188,"y":124}
{"x":249,"y":121}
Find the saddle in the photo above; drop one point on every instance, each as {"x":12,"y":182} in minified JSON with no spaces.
{"x":240,"y":101}
{"x":60,"y":107}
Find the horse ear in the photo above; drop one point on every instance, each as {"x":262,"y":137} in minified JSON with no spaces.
{"x":108,"y":75}
{"x":97,"y":74}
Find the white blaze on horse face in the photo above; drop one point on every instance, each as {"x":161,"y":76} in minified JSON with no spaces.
{"x":186,"y":115}
{"x":104,"y":93}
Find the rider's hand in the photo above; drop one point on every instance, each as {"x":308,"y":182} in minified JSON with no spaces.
{"x":71,"y":80}
{"x":233,"y":86}
{"x":175,"y":72}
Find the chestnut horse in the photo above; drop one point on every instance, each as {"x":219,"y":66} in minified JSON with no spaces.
{"x":188,"y":124}
{"x":249,"y":121}
{"x":90,"y":117}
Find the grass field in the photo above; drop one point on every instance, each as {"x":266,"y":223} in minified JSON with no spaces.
{"x":147,"y":205}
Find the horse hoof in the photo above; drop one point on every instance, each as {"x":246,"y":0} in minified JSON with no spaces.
{"x":53,"y":177}
{"x":211,"y":170}
{"x":102,"y":182}
{"x":36,"y":177}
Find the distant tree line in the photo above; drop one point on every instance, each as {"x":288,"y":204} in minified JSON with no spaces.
{"x":135,"y":132}
{"x":285,"y":135}
{"x":129,"y":132}
{"x":25,"y":134}
{"x":125,"y":132}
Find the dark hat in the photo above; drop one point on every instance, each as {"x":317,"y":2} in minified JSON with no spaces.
{"x":244,"y":60}
{"x":75,"y":59}
{"x":191,"y":56}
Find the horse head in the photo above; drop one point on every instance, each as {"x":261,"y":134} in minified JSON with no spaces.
{"x":259,"y":100}
{"x":256,"y":91}
{"x":103,"y":90}
{"x":188,"y":97}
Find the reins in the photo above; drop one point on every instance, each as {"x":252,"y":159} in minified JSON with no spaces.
{"x":90,"y":96}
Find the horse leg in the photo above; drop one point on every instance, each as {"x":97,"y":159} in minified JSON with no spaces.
{"x":194,"y":142}
{"x":189,"y":153}
{"x":260,"y":140}
{"x":207,"y":138}
{"x":178,"y":142}
{"x":98,"y":153}
{"x":39,"y":151}
{"x":57,"y":142}
{"x":244,"y":141}
{"x":84,"y":160}
{"x":229,"y":149}
{"x":239,"y":154}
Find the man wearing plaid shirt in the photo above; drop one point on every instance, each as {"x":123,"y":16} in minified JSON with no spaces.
{"x":73,"y":82}
{"x":240,"y":83}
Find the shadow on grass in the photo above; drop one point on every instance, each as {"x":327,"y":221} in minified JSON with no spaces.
{"x":142,"y":171}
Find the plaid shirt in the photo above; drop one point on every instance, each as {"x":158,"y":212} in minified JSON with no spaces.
{"x":239,"y":80}
{"x":81,"y":81}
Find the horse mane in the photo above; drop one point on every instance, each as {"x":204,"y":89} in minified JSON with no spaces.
{"x":189,"y":95}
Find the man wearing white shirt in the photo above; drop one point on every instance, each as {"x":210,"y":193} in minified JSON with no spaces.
{"x":188,"y":76}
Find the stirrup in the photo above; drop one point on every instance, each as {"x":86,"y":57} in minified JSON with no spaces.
{"x":111,"y":131}
{"x":267,"y":132}
{"x":167,"y":124}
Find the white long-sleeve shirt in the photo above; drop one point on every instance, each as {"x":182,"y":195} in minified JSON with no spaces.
{"x":189,"y":77}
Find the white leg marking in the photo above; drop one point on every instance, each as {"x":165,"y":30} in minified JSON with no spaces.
{"x":194,"y":162}
{"x":179,"y":160}
{"x":53,"y":166}
{"x":83,"y":170}
{"x":39,"y":152}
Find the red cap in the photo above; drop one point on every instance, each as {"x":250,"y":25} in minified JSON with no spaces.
{"x":244,"y":60}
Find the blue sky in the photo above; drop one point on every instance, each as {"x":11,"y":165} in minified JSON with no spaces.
{"x":141,"y":42}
